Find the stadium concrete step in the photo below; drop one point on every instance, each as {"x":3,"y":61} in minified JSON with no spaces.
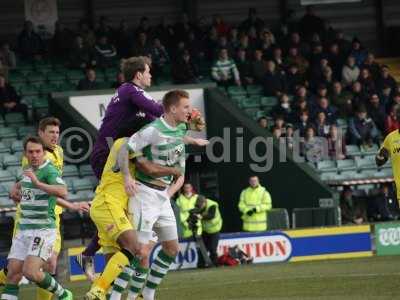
{"x":326,"y":166}
{"x":346,"y":164}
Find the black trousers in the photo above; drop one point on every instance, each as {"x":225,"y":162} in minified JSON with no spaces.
{"x":211,"y":244}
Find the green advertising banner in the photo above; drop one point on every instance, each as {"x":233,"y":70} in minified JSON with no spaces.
{"x":387,"y":238}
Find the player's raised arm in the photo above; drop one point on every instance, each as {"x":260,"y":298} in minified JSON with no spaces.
{"x":384,"y":153}
{"x":75,"y":206}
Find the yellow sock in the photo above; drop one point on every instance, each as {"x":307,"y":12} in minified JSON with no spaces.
{"x":113,"y":268}
{"x":42,"y":294}
{"x":3,"y":277}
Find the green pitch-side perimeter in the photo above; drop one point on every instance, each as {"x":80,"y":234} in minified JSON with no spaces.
{"x":375,"y":278}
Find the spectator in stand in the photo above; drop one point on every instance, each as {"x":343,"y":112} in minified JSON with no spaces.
{"x":316,"y":73}
{"x":244,"y":43}
{"x":7,"y":56}
{"x":293,"y":79}
{"x":336,"y":60}
{"x":303,"y":123}
{"x":350,"y":72}
{"x":81,"y":55}
{"x":184,"y":71}
{"x":224,"y":70}
{"x":366,"y":81}
{"x":289,"y":136}
{"x":385,"y":206}
{"x":105,"y":52}
{"x":283,"y":108}
{"x":143,"y":26}
{"x":9,"y":100}
{"x":244,"y":67}
{"x":302,"y":93}
{"x":312,"y":148}
{"x":376,"y":111}
{"x":195,"y":46}
{"x":30,"y":44}
{"x":263,"y":122}
{"x":295,"y":41}
{"x":61,"y":41}
{"x":310,"y":23}
{"x":104,"y":29}
{"x":386,"y":97}
{"x":123,"y":39}
{"x":252,"y":21}
{"x":330,"y":111}
{"x":141,"y":47}
{"x":277,"y":132}
{"x":233,"y":38}
{"x":299,"y":106}
{"x":274,"y":82}
{"x":341,"y":99}
{"x":4,"y":70}
{"x":159,"y":59}
{"x":316,"y":55}
{"x":391,"y":122}
{"x":183,"y":28}
{"x":336,"y":143}
{"x":120,"y":79}
{"x":358,"y":97}
{"x":211,"y":43}
{"x":385,"y":79}
{"x":362,"y":130}
{"x":371,"y":65}
{"x":258,"y":67}
{"x":327,"y":77}
{"x":220,"y":25}
{"x":266,"y":42}
{"x":358,"y":52}
{"x":279,"y":123}
{"x":321,"y":125}
{"x":353,"y":211}
{"x":89,"y":38}
{"x":294,"y":57}
{"x":89,"y":82}
{"x":277,"y":58}
{"x":224,"y":44}
{"x":344,"y":44}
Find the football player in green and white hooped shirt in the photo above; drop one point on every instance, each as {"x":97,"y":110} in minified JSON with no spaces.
{"x":32,"y":246}
{"x":161,"y":142}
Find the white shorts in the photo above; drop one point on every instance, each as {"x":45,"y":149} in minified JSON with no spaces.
{"x":150,"y":210}
{"x":35,"y":242}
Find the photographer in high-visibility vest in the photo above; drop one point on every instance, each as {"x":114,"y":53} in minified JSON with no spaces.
{"x":187,"y":201}
{"x":254,"y":203}
{"x":207,"y":211}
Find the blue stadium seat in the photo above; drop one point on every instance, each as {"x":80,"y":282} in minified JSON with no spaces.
{"x":70,"y":171}
{"x":366,"y":163}
{"x":85,"y":170}
{"x":346,"y":164}
{"x":326,"y":166}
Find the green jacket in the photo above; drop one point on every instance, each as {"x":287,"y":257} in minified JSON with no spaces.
{"x":257,"y":198}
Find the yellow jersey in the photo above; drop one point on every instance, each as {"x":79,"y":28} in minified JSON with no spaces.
{"x":112,"y":180}
{"x":56,"y":156}
{"x":392,"y":145}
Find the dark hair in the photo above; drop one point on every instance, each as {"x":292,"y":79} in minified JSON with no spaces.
{"x":34,"y":140}
{"x":173,"y":97}
{"x":49,"y":121}
{"x":131,"y":66}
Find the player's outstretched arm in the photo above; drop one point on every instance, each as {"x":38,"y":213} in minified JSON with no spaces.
{"x":176,"y":186}
{"x":123,"y":163}
{"x":155,"y":170}
{"x":75,"y":206}
{"x":188,"y":140}
{"x":382,"y":157}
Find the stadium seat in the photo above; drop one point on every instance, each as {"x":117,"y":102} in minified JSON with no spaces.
{"x":236,"y":91}
{"x":250,"y":103}
{"x":6,"y":176}
{"x":366,"y":163}
{"x":277,"y":218}
{"x":3,"y":191}
{"x":15,"y":170}
{"x":4,"y":148}
{"x":111,"y":74}
{"x":252,"y":112}
{"x":17,"y":146}
{"x":268,"y":101}
{"x":347,"y":175}
{"x":325,"y":176}
{"x":326,"y":166}
{"x":75,"y":74}
{"x":103,"y":85}
{"x":353,"y":150}
{"x":254,"y":90}
{"x":5,"y":201}
{"x":23,"y":131}
{"x":365,"y":174}
{"x":85,"y":170}
{"x":82,"y":184}
{"x":40,"y":107}
{"x":15,"y":119}
{"x":70,"y":171}
{"x":8,"y":132}
{"x":66,"y":86}
{"x":29,"y":90}
{"x":11,"y":160}
{"x":56,"y":76}
{"x":70,"y":185}
{"x":16,"y":77}
{"x":37,"y":77}
{"x":48,"y":88}
{"x":346,"y":164}
{"x":373,"y":150}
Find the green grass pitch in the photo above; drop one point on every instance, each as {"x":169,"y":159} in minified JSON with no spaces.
{"x":376,"y":278}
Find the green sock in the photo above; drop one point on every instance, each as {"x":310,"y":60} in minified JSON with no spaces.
{"x":137,"y":282}
{"x":10,"y":292}
{"x":50,"y":284}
